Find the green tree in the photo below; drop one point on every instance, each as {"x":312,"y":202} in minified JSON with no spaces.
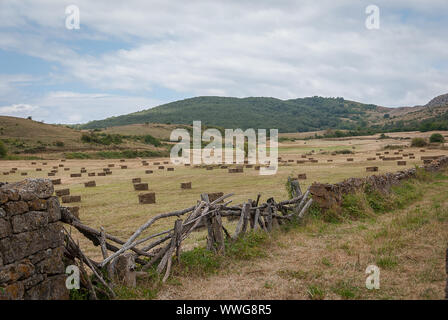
{"x":3,"y":150}
{"x":418,"y":142}
{"x":436,"y":137}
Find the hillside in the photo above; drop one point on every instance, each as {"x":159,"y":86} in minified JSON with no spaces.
{"x":431,"y":116}
{"x":303,"y":114}
{"x":295,"y":115}
{"x":28,"y":137}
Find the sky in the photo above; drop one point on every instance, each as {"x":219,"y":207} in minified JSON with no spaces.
{"x":132,"y":55}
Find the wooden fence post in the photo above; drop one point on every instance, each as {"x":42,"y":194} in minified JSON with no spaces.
{"x":242,"y":223}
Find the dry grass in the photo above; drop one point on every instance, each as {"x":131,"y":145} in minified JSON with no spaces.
{"x":328,"y":261}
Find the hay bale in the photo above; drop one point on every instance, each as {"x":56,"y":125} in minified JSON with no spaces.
{"x":350,"y":159}
{"x":56,"y":181}
{"x":166,"y":162}
{"x":185,"y":185}
{"x":301,"y":176}
{"x":401,"y":163}
{"x":371,"y":169}
{"x":329,"y":160}
{"x":209,"y":168}
{"x":136,"y":180}
{"x":51,"y":174}
{"x":90,"y":184}
{"x":123,"y":167}
{"x":70,"y":199}
{"x":161,"y":167}
{"x":66,"y":169}
{"x":170,"y":169}
{"x":148,"y":171}
{"x":38,"y":169}
{"x":24,"y":173}
{"x":257,"y":168}
{"x":122,"y":160}
{"x":371,"y":159}
{"x":156,"y":163}
{"x":147,"y":198}
{"x":140,"y":186}
{"x":215,"y":195}
{"x":74,"y":211}
{"x":75,"y":175}
{"x":101,"y":174}
{"x":62,"y":192}
{"x":111,"y":165}
{"x":91,"y":174}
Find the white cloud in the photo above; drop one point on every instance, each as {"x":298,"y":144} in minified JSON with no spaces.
{"x":285,"y":49}
{"x":17,"y":109}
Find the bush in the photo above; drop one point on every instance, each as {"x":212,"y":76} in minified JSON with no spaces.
{"x":59,"y":144}
{"x":101,"y":138}
{"x":3,"y":150}
{"x":436,"y":137}
{"x":148,"y":139}
{"x":344,"y":151}
{"x":418,"y":142}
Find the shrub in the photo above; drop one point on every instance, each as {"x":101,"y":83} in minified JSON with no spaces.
{"x":418,"y":142}
{"x":344,"y":151}
{"x":436,"y":137}
{"x":148,"y":139}
{"x":3,"y":150}
{"x":101,"y":138}
{"x":59,"y":144}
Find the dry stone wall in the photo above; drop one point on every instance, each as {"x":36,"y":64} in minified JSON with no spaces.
{"x":31,"y":242}
{"x":329,"y":195}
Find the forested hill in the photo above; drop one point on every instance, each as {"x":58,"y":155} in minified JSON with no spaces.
{"x":303,"y":114}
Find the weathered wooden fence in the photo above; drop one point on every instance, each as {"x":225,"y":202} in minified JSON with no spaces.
{"x":159,"y":248}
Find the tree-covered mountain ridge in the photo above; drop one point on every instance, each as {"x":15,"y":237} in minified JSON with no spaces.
{"x":293,"y":115}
